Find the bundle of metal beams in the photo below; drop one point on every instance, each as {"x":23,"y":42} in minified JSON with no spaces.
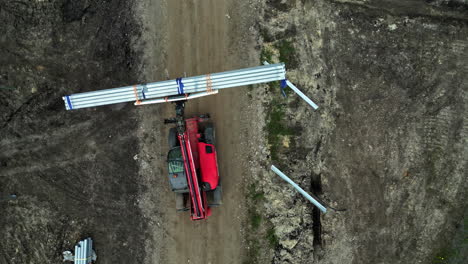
{"x":181,"y":86}
{"x":84,"y":252}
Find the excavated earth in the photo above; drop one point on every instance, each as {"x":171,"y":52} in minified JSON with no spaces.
{"x":73,"y":172}
{"x":388,"y":143}
{"x":387,"y":147}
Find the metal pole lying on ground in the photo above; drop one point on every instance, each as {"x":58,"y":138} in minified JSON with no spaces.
{"x":306,"y":195}
{"x":303,"y":96}
{"x":6,"y":87}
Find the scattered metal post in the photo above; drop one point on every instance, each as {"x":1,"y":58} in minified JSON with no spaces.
{"x":303,"y":96}
{"x":306,"y":195}
{"x":84,"y":253}
{"x":8,"y":197}
{"x":7,"y":87}
{"x":68,"y":256}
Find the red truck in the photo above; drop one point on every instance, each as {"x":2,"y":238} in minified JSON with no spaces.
{"x":192,"y":164}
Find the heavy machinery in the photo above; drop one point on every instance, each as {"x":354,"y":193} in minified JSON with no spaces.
{"x":192,"y":164}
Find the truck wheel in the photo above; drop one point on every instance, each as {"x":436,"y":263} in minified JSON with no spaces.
{"x":217,"y":197}
{"x":172,"y":139}
{"x":180,"y":202}
{"x":210,"y":136}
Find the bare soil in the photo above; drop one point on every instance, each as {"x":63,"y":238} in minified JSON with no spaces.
{"x":388,"y":142}
{"x":73,"y":172}
{"x":197,"y":40}
{"x":101,"y":172}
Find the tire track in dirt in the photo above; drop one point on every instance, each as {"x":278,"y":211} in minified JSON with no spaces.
{"x":197,"y":40}
{"x":199,"y":47}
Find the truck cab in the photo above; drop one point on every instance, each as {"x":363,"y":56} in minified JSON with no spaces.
{"x":177,"y":177}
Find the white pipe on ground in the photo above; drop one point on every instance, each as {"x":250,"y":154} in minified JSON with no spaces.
{"x":303,"y":96}
{"x":299,"y":189}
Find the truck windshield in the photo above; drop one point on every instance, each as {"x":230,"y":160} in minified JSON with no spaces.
{"x":175,"y":161}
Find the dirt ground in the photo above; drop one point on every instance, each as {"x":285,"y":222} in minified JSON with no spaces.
{"x":198,"y":44}
{"x":388,"y":142}
{"x":101,"y":172}
{"x":73,"y":172}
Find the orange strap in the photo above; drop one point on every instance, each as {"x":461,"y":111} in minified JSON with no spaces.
{"x":209,"y":84}
{"x":136,"y":95}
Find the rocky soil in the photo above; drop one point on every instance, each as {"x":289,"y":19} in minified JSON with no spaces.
{"x":388,"y":143}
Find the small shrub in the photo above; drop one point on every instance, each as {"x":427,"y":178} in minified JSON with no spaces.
{"x":275,"y":128}
{"x":253,"y":252}
{"x":272,"y":238}
{"x":256,"y":220}
{"x":266,"y":55}
{"x":258,"y":196}
{"x":287,"y":53}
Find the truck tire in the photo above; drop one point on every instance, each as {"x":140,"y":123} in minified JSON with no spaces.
{"x":172,"y":139}
{"x":210,"y":136}
{"x":217,"y":197}
{"x":180,"y":202}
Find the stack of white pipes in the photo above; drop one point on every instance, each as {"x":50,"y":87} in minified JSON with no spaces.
{"x":84,"y":251}
{"x":182,"y":86}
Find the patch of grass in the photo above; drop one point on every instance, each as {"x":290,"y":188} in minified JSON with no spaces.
{"x":253,"y":252}
{"x":274,"y":87}
{"x":287,"y":53}
{"x":253,"y":194}
{"x":256,"y":220}
{"x":252,"y":189}
{"x":255,"y":217}
{"x":253,"y":249}
{"x":465,"y":231}
{"x":444,"y":256}
{"x":272,"y":238}
{"x":456,"y":251}
{"x":266,"y":55}
{"x":276,"y":128}
{"x":258,"y":196}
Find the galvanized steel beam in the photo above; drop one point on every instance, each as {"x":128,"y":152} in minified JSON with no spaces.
{"x":196,"y":84}
{"x":299,"y":189}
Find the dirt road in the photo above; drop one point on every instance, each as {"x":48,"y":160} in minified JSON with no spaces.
{"x":197,"y":40}
{"x":198,"y":46}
